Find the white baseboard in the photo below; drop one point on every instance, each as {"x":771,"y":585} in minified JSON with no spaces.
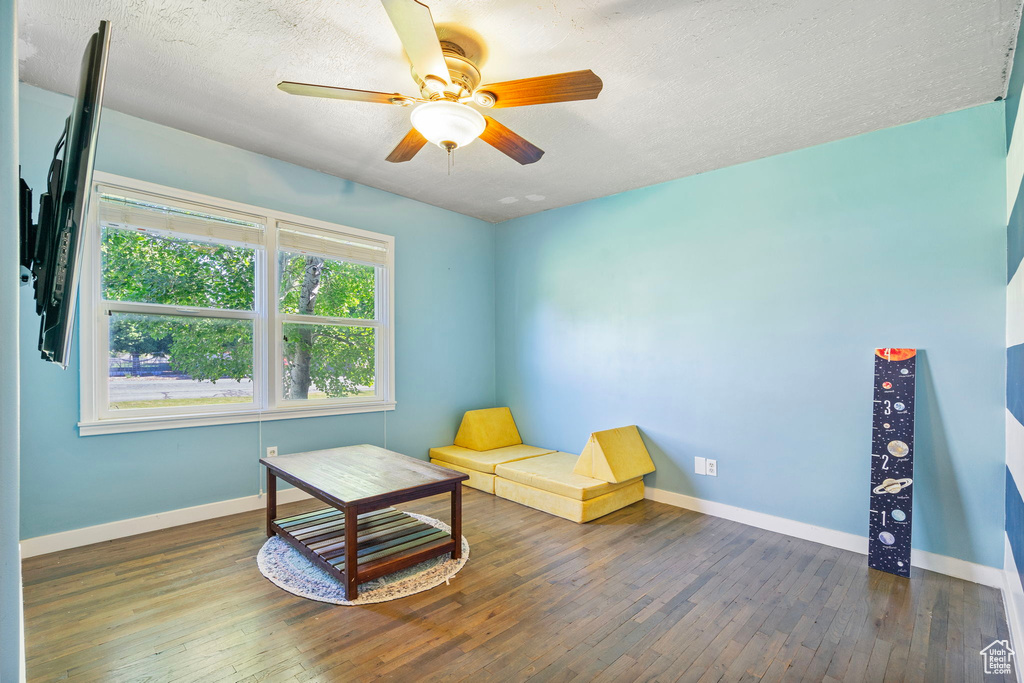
{"x":951,"y":566}
{"x":41,"y":545}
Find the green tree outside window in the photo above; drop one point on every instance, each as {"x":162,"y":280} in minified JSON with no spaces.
{"x":142,"y":267}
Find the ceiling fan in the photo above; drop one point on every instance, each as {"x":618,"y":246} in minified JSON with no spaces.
{"x":449,"y":80}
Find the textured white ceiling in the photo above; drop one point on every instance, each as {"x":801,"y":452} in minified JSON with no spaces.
{"x":689,"y":85}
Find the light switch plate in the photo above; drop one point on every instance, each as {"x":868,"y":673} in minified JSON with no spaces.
{"x":699,"y":465}
{"x":711,"y":467}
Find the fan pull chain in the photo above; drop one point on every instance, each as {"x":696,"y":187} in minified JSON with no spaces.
{"x":449,"y":146}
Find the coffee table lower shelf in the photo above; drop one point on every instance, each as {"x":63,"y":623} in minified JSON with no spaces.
{"x":388,"y":540}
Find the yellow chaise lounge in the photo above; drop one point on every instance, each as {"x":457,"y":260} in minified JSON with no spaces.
{"x":606,"y":477}
{"x":486,"y":438}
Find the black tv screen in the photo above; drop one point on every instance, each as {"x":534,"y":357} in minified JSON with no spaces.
{"x":52,"y":248}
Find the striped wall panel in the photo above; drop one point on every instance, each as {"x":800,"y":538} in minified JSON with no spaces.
{"x":1015,"y":397}
{"x":1014,"y":524}
{"x":1014,"y":239}
{"x":1014,"y":387}
{"x":1015,"y":521}
{"x":1015,"y":404}
{"x":1013,"y":91}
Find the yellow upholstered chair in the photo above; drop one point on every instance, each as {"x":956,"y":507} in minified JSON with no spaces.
{"x":615,"y":455}
{"x":607,"y":476}
{"x":486,"y":439}
{"x":487,"y":429}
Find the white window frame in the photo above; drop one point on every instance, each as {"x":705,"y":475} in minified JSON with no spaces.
{"x":268,"y":400}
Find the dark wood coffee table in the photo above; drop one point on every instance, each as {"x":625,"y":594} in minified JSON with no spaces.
{"x":361,"y":483}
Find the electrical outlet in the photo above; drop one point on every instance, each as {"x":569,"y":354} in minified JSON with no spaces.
{"x":271,"y":451}
{"x":712,"y":467}
{"x":699,"y":465}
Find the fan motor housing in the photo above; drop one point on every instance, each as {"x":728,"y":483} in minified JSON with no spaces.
{"x":463,"y":73}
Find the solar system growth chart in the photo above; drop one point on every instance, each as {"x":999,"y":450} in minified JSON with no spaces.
{"x":892,"y":461}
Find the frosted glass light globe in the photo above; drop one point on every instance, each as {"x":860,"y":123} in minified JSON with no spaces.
{"x":448,"y":122}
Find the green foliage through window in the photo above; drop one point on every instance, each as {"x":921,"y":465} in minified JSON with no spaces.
{"x":338,"y":289}
{"x":319,"y":360}
{"x":156,"y":269}
{"x":336,"y":360}
{"x":200,"y":348}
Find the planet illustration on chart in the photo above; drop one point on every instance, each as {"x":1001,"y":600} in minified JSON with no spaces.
{"x":895,"y":354}
{"x":886,"y":538}
{"x":886,"y":425}
{"x":904,"y":371}
{"x":899,"y":564}
{"x":898,"y":449}
{"x":887,"y":385}
{"x":898,"y":406}
{"x":898,"y":515}
{"x":893,"y":485}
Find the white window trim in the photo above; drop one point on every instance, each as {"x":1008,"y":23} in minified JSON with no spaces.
{"x":267,"y":374}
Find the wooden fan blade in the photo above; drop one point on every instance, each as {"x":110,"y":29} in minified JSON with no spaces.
{"x":311,"y":90}
{"x":415,"y":28}
{"x":407,"y":148}
{"x":567,"y":87}
{"x":507,"y":142}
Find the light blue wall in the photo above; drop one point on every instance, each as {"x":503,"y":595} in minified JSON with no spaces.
{"x":444,"y":335}
{"x":732,"y":315}
{"x":11,"y":653}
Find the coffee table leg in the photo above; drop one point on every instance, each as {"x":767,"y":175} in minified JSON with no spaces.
{"x":457,"y":520}
{"x":271,"y":500}
{"x":351,"y":543}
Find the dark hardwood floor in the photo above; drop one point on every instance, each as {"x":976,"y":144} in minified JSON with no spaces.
{"x":651,"y":592}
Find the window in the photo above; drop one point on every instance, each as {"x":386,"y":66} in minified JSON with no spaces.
{"x":202,"y":311}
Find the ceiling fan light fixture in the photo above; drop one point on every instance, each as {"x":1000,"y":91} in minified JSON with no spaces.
{"x":446,"y":123}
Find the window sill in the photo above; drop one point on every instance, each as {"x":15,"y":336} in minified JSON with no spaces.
{"x":146,"y":424}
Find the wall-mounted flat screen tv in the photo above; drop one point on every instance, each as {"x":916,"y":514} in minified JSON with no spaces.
{"x":51,"y":248}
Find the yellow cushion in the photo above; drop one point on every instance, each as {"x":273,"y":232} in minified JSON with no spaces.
{"x":477,"y":480}
{"x":485,"y":461}
{"x":484,"y":430}
{"x":554,"y":473}
{"x":615,"y":455}
{"x":569,"y":508}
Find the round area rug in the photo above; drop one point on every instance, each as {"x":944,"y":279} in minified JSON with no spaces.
{"x":291,"y":570}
